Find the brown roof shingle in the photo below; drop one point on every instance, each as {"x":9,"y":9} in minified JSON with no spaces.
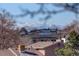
{"x":41,"y":45}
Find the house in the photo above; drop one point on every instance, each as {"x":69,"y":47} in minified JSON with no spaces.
{"x":46,"y":48}
{"x":36,"y":49}
{"x":44,"y":35}
{"x":23,"y":31}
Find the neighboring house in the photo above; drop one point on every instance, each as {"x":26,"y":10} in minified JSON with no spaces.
{"x":36,"y":49}
{"x":37,"y":35}
{"x":23,"y":32}
{"x":44,"y":35}
{"x":46,"y":48}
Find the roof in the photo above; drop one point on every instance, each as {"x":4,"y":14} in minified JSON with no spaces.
{"x":44,"y":33}
{"x":7,"y":52}
{"x":41,"y":30}
{"x":40,"y":45}
{"x":31,"y":52}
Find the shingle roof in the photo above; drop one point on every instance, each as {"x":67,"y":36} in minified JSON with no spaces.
{"x":31,"y":52}
{"x":41,"y":45}
{"x":6,"y":52}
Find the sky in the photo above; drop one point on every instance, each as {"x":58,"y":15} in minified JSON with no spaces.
{"x":60,"y":19}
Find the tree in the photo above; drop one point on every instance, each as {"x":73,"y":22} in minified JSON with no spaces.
{"x":74,"y":39}
{"x":71,"y":47}
{"x":9,"y":37}
{"x":66,"y":51}
{"x":72,"y":44}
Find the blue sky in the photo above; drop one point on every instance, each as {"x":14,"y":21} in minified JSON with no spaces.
{"x":62,"y":19}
